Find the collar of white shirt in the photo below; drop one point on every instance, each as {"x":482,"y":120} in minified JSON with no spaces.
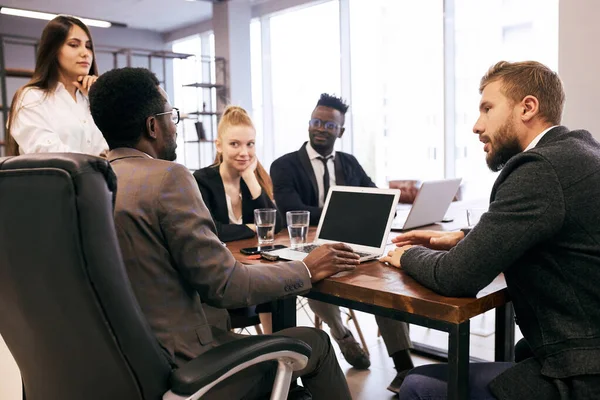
{"x":61,"y":87}
{"x":312,"y":153}
{"x":537,"y":139}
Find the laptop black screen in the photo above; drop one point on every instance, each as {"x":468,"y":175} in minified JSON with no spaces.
{"x":358,"y":218}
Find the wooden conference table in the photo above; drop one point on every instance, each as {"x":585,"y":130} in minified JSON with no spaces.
{"x":380,"y":289}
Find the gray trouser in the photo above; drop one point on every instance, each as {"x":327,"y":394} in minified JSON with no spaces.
{"x":394,"y":333}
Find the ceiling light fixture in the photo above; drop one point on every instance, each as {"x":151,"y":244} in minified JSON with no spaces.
{"x":48,"y":16}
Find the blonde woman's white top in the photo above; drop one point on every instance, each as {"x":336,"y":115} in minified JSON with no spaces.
{"x":232,"y":217}
{"x":55,"y":123}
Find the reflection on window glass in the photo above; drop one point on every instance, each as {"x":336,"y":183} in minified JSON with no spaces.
{"x":487,"y":32}
{"x":305,"y":62}
{"x":397,"y":67}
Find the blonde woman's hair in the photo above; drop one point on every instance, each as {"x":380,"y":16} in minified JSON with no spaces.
{"x":237,"y":116}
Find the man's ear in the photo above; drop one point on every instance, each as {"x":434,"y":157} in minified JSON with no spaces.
{"x":151,"y":127}
{"x":342,"y":130}
{"x":530,"y":108}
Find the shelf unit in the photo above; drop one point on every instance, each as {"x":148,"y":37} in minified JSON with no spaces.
{"x":209,"y":99}
{"x":109,"y":56}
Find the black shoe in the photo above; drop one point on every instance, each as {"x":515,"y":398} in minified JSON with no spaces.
{"x":353,"y":353}
{"x":397,"y":382}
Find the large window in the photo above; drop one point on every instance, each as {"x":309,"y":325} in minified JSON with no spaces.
{"x":485,"y":33}
{"x":193,"y":151}
{"x":257,"y":86}
{"x":305,"y":62}
{"x":397,"y":69}
{"x":409,"y":69}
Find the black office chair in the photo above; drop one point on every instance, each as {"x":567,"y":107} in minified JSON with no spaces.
{"x":67,"y":310}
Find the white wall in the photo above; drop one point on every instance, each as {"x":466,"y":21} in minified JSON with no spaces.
{"x":231,"y":25}
{"x":579,"y":63}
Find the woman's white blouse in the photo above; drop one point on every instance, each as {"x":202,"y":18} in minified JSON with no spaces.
{"x":54,"y":123}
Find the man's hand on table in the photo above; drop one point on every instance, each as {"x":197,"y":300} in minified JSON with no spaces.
{"x":393,"y":257}
{"x":329,"y":259}
{"x":432,"y":239}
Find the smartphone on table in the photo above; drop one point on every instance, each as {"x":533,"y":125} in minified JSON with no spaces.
{"x":257,"y":250}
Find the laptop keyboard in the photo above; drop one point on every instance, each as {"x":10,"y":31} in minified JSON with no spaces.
{"x":310,"y":247}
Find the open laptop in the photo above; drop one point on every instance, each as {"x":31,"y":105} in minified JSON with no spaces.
{"x":430,"y":205}
{"x":359,"y":217}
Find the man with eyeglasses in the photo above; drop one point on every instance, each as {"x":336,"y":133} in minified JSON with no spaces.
{"x":173,"y":257}
{"x":301,"y":181}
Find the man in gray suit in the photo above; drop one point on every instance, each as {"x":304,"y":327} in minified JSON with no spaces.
{"x":542,"y":231}
{"x":171,"y":251}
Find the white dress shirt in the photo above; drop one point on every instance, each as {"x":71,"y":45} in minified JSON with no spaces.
{"x":55,"y":123}
{"x":319,"y":170}
{"x":231,"y":214}
{"x":537,"y":139}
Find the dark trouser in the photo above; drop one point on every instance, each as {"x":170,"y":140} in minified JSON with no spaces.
{"x":519,"y":381}
{"x":394,"y":333}
{"x":431,"y":381}
{"x":322,"y":375}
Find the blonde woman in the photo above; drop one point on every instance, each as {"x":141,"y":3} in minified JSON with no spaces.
{"x":237,"y":184}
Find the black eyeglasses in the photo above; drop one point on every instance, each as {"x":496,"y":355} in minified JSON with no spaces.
{"x":327,"y":125}
{"x":174,"y":115}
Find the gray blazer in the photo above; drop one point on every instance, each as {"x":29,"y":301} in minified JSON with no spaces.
{"x":176,"y":262}
{"x":543,"y":232}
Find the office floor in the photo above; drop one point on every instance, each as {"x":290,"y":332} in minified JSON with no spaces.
{"x":364,"y":385}
{"x":373,"y":382}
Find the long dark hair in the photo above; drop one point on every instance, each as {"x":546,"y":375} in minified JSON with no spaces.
{"x":45,"y":75}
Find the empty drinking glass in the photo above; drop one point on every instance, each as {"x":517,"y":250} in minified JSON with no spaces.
{"x":264,"y":219}
{"x":297,"y":222}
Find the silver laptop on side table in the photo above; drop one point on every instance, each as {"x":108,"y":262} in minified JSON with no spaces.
{"x":430,"y":205}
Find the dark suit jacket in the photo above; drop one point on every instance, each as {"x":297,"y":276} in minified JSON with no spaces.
{"x":176,"y":262}
{"x":213,"y":193}
{"x":295,"y":185}
{"x":543,"y":232}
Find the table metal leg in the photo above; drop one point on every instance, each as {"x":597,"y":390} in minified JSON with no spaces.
{"x":458,"y":361}
{"x":505,"y":333}
{"x":284,"y":313}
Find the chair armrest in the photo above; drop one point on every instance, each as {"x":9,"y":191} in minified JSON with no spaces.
{"x":229,"y":358}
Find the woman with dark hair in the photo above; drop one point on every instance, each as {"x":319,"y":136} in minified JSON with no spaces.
{"x":237,"y":184}
{"x":51,"y":113}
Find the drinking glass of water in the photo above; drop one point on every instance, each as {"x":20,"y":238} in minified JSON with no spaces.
{"x":297,"y":222}
{"x":264,"y":219}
